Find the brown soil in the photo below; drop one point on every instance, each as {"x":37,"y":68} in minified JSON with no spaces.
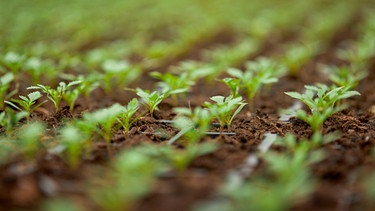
{"x":25,"y":183}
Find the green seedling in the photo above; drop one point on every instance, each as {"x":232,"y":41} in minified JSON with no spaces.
{"x":192,"y":124}
{"x":180,"y":159}
{"x":37,"y":68}
{"x":106,"y":119}
{"x":130,"y":178}
{"x":346,"y":76}
{"x":117,"y":73}
{"x":321,"y":97}
{"x":321,"y":100}
{"x":29,"y":139}
{"x":26,"y":104}
{"x":173,"y":84}
{"x":73,"y":139}
{"x":13,"y":62}
{"x":298,"y":55}
{"x":234,"y":85}
{"x":258,"y":73}
{"x":361,"y":53}
{"x":285,"y":180}
{"x":88,"y":83}
{"x":151,"y":100}
{"x":225,"y":109}
{"x":125,"y":118}
{"x":9,"y":119}
{"x":56,"y":95}
{"x":5,"y":82}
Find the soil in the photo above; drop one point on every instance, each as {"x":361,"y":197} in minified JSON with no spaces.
{"x":24,"y":184}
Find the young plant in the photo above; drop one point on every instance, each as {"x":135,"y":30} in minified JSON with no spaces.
{"x":73,"y":139}
{"x":13,"y":62}
{"x":29,"y":139}
{"x":5,"y":81}
{"x":180,"y":159}
{"x":37,"y":68}
{"x":26,"y":103}
{"x":192,"y":124}
{"x":56,"y":95}
{"x":234,"y":85}
{"x":321,"y":100}
{"x":173,"y":84}
{"x":125,"y":117}
{"x":130,"y":178}
{"x":346,"y":76}
{"x":298,"y":55}
{"x":225,"y":109}
{"x":285,"y":180}
{"x":118,"y":73}
{"x":258,"y":73}
{"x":10,"y":118}
{"x":151,"y":100}
{"x":105,"y":118}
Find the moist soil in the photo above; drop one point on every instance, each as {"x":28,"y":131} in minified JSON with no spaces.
{"x":24,"y":184}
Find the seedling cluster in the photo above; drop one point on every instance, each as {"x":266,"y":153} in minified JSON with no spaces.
{"x":105,"y":108}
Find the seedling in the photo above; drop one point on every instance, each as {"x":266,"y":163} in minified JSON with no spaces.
{"x":192,"y":124}
{"x":74,"y":141}
{"x":10,"y":118}
{"x":173,"y":84}
{"x":298,"y":55}
{"x":286,"y":180}
{"x":37,"y":68}
{"x":151,"y":100}
{"x":26,"y":103}
{"x":225,"y":109}
{"x":259,"y":72}
{"x":118,"y":73}
{"x":234,"y":85}
{"x":5,"y":81}
{"x":56,"y":95}
{"x":125,"y":117}
{"x":13,"y":61}
{"x":346,"y":76}
{"x":29,"y":139}
{"x":105,"y":118}
{"x":321,"y":97}
{"x":180,"y":159}
{"x":131,"y":178}
{"x":321,"y":100}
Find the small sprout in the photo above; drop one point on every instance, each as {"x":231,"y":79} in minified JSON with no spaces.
{"x":56,"y":95}
{"x":35,"y":67}
{"x":225,"y":109}
{"x":125,"y":117}
{"x":26,"y":103}
{"x":193,"y":124}
{"x":117,"y":73}
{"x":321,"y":100}
{"x":180,"y":159}
{"x":105,"y":118}
{"x":262,"y":71}
{"x":10,"y":118}
{"x":130,"y":178}
{"x":173,"y":84}
{"x":73,"y":140}
{"x":298,"y":55}
{"x":5,"y":81}
{"x":234,"y":85}
{"x":346,"y":76}
{"x":151,"y":99}
{"x":13,"y":62}
{"x":29,"y":139}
